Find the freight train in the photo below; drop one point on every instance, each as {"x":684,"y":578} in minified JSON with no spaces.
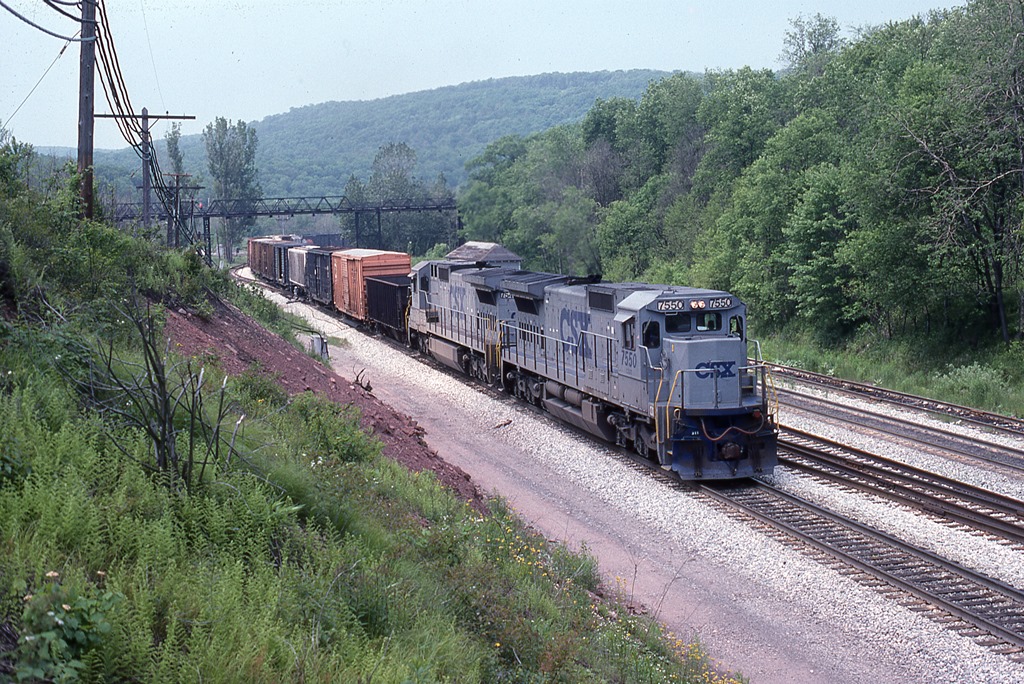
{"x":661,"y":369}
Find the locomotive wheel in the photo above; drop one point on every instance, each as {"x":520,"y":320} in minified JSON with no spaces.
{"x":641,"y":443}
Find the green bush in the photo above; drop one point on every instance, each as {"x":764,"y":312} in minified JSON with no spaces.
{"x":972,"y":385}
{"x":331,"y":433}
{"x":59,"y":627}
{"x":259,"y":393}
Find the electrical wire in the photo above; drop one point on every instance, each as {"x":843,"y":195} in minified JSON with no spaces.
{"x":152,"y":59}
{"x":129,"y":123}
{"x":59,"y":55}
{"x":47,"y":31}
{"x":113,"y":83}
{"x":69,"y":15}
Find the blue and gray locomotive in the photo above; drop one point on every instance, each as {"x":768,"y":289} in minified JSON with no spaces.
{"x":662,"y":369}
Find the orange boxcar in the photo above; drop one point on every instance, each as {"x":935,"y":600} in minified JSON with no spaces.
{"x":350,"y":269}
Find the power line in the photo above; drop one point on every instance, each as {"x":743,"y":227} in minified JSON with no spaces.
{"x":44,"y":30}
{"x":69,"y":15}
{"x":59,"y":55}
{"x":152,"y":59}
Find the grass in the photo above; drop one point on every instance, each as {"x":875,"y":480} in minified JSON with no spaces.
{"x":989,"y":378}
{"x":305,"y":556}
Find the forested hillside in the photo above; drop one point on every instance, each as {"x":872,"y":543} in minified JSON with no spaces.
{"x":871,"y":191}
{"x":315,"y":149}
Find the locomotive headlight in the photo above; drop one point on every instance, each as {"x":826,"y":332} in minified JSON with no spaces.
{"x":698,"y":304}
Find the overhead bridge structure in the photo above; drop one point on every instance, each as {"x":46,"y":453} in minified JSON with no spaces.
{"x":182,"y":221}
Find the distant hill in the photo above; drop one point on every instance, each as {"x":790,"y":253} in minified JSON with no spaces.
{"x":312,"y":150}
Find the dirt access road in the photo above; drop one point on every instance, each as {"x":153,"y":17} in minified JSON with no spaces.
{"x":691,"y":581}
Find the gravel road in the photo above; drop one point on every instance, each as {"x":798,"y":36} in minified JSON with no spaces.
{"x":761,"y":608}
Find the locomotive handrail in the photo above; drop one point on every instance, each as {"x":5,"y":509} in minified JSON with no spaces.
{"x":650,"y":361}
{"x":608,"y":350}
{"x":757,"y":346}
{"x":451,"y":324}
{"x":668,"y":400}
{"x":562,"y":347}
{"x":657,"y":395}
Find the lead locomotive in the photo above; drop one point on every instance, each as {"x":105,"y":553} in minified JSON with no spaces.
{"x":662,"y":369}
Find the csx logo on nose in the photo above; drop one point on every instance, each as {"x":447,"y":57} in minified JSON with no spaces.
{"x":724,"y":369}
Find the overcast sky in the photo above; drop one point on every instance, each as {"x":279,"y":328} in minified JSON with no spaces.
{"x":247,"y":59}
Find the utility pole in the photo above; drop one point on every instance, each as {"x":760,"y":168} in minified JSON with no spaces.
{"x":172,"y":216}
{"x":86,"y":89}
{"x":174,"y":219}
{"x":147,"y":155}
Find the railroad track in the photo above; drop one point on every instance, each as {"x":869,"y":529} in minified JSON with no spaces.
{"x":986,"y":610}
{"x":968,"y":448}
{"x":989,"y":611}
{"x":997,"y":516}
{"x":985,"y":419}
{"x":974,"y":605}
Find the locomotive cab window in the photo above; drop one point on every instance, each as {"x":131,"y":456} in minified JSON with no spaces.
{"x":709,"y":321}
{"x":629,"y":334}
{"x":677,"y":323}
{"x":736,"y":326}
{"x":652,"y":334}
{"x":485,"y":297}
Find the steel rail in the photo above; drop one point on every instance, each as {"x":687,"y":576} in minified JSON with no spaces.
{"x":952,"y":588}
{"x":967,"y":446}
{"x":986,"y":419}
{"x":994,"y":514}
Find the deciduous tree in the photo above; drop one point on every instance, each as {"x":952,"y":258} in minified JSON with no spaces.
{"x":231,"y":157}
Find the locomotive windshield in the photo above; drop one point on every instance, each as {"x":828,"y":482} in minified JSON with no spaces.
{"x":709,"y":321}
{"x":677,"y":323}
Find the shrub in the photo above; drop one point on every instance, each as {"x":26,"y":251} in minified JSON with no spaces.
{"x":973,"y":385}
{"x":258,"y":392}
{"x":331,"y":432}
{"x":60,"y":626}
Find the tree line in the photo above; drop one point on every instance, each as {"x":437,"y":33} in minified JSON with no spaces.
{"x":231,"y":152}
{"x":873,"y":186}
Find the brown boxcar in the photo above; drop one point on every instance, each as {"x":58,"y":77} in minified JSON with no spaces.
{"x":261,"y":257}
{"x":351,"y":267}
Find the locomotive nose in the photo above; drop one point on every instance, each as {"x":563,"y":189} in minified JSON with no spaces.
{"x":730,"y":451}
